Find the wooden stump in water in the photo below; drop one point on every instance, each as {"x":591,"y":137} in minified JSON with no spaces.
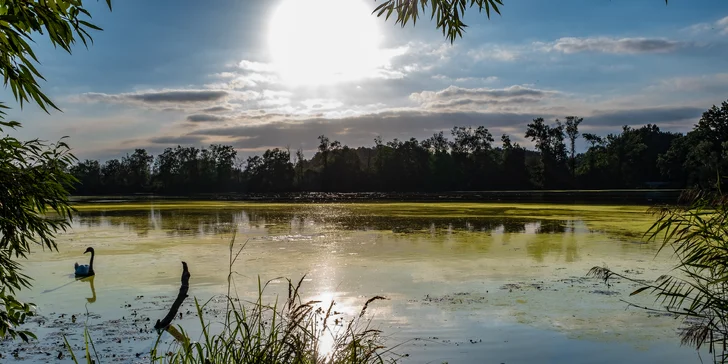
{"x":165,"y":323}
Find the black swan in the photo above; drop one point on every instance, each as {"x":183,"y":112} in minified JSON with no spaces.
{"x":86,"y":270}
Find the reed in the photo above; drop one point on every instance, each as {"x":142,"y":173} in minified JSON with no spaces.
{"x":293,"y":331}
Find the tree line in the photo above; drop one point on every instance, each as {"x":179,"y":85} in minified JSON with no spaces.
{"x":468,"y":159}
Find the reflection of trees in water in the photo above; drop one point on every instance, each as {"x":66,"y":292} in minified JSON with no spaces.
{"x":459,"y":234}
{"x":551,"y":227}
{"x":514,"y":227}
{"x":202,"y":222}
{"x":555,"y":237}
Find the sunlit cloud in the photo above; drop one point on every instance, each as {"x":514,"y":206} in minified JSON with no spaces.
{"x":720,"y":26}
{"x":256,"y":66}
{"x":495,"y":53}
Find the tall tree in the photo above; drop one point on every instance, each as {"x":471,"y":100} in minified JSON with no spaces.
{"x":137,"y":171}
{"x":515,"y":175}
{"x":572,"y":131}
{"x":550,"y":143}
{"x":701,"y":157}
{"x":88,"y":174}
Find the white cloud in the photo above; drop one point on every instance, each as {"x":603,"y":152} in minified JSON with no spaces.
{"x":225,"y":75}
{"x":256,"y":66}
{"x":721,"y":26}
{"x":496,"y":53}
{"x":488,"y":80}
{"x":322,"y":104}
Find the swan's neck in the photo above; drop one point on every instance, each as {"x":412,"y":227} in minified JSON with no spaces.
{"x":91,"y":264}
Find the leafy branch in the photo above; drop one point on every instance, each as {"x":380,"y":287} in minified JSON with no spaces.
{"x":447,"y":14}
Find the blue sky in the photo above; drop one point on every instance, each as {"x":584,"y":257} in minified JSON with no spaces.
{"x":263,"y":74}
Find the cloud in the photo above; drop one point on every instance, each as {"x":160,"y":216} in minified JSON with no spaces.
{"x":455,"y":96}
{"x":158,"y":97}
{"x":454,"y":91}
{"x":412,"y":58}
{"x":653,"y":115}
{"x":720,"y":25}
{"x":256,"y":130}
{"x":182,"y":139}
{"x":256,"y":66}
{"x":202,"y":118}
{"x":358,"y":130}
{"x":611,"y":45}
{"x":322,"y":104}
{"x":496,"y":53}
{"x":489,"y":79}
{"x":225,"y":75}
{"x":715,"y":83}
{"x":217,"y":109}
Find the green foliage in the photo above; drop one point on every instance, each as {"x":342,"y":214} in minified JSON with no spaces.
{"x":701,"y":157}
{"x":61,"y":20}
{"x":34,"y":182}
{"x":271,"y":173}
{"x":695,"y":232}
{"x":295,"y":332}
{"x":572,"y":131}
{"x":626,"y":160}
{"x":550,"y":144}
{"x":447,"y":14}
{"x":258,"y":332}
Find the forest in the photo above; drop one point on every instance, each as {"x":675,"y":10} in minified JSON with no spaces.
{"x":469,"y":159}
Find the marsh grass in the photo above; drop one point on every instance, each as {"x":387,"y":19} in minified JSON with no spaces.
{"x":696,"y":230}
{"x":293,"y":331}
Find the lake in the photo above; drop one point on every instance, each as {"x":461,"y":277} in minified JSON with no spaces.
{"x":465,"y":282}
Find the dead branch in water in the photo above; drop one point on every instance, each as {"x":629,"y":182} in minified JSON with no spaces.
{"x":167,"y":320}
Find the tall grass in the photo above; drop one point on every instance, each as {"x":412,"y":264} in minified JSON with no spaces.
{"x":294,"y":331}
{"x":696,"y":231}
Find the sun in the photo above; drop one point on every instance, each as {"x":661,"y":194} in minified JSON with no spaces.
{"x":315,"y":42}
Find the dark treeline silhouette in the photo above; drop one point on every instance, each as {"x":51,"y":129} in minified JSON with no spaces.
{"x":469,"y":159}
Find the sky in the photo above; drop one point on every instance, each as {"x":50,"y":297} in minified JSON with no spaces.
{"x":278,"y":73}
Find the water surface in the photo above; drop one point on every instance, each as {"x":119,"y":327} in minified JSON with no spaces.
{"x":465,"y":282}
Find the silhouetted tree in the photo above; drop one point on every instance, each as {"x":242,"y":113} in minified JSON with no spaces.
{"x":701,"y":157}
{"x":634,"y":158}
{"x":572,"y":131}
{"x":550,"y":143}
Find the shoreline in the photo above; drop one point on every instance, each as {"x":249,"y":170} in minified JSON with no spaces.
{"x":634,"y":196}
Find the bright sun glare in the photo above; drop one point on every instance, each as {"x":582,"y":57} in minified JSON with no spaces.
{"x":316,"y":42}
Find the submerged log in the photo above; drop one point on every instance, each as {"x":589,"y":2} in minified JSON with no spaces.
{"x":165,"y":323}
